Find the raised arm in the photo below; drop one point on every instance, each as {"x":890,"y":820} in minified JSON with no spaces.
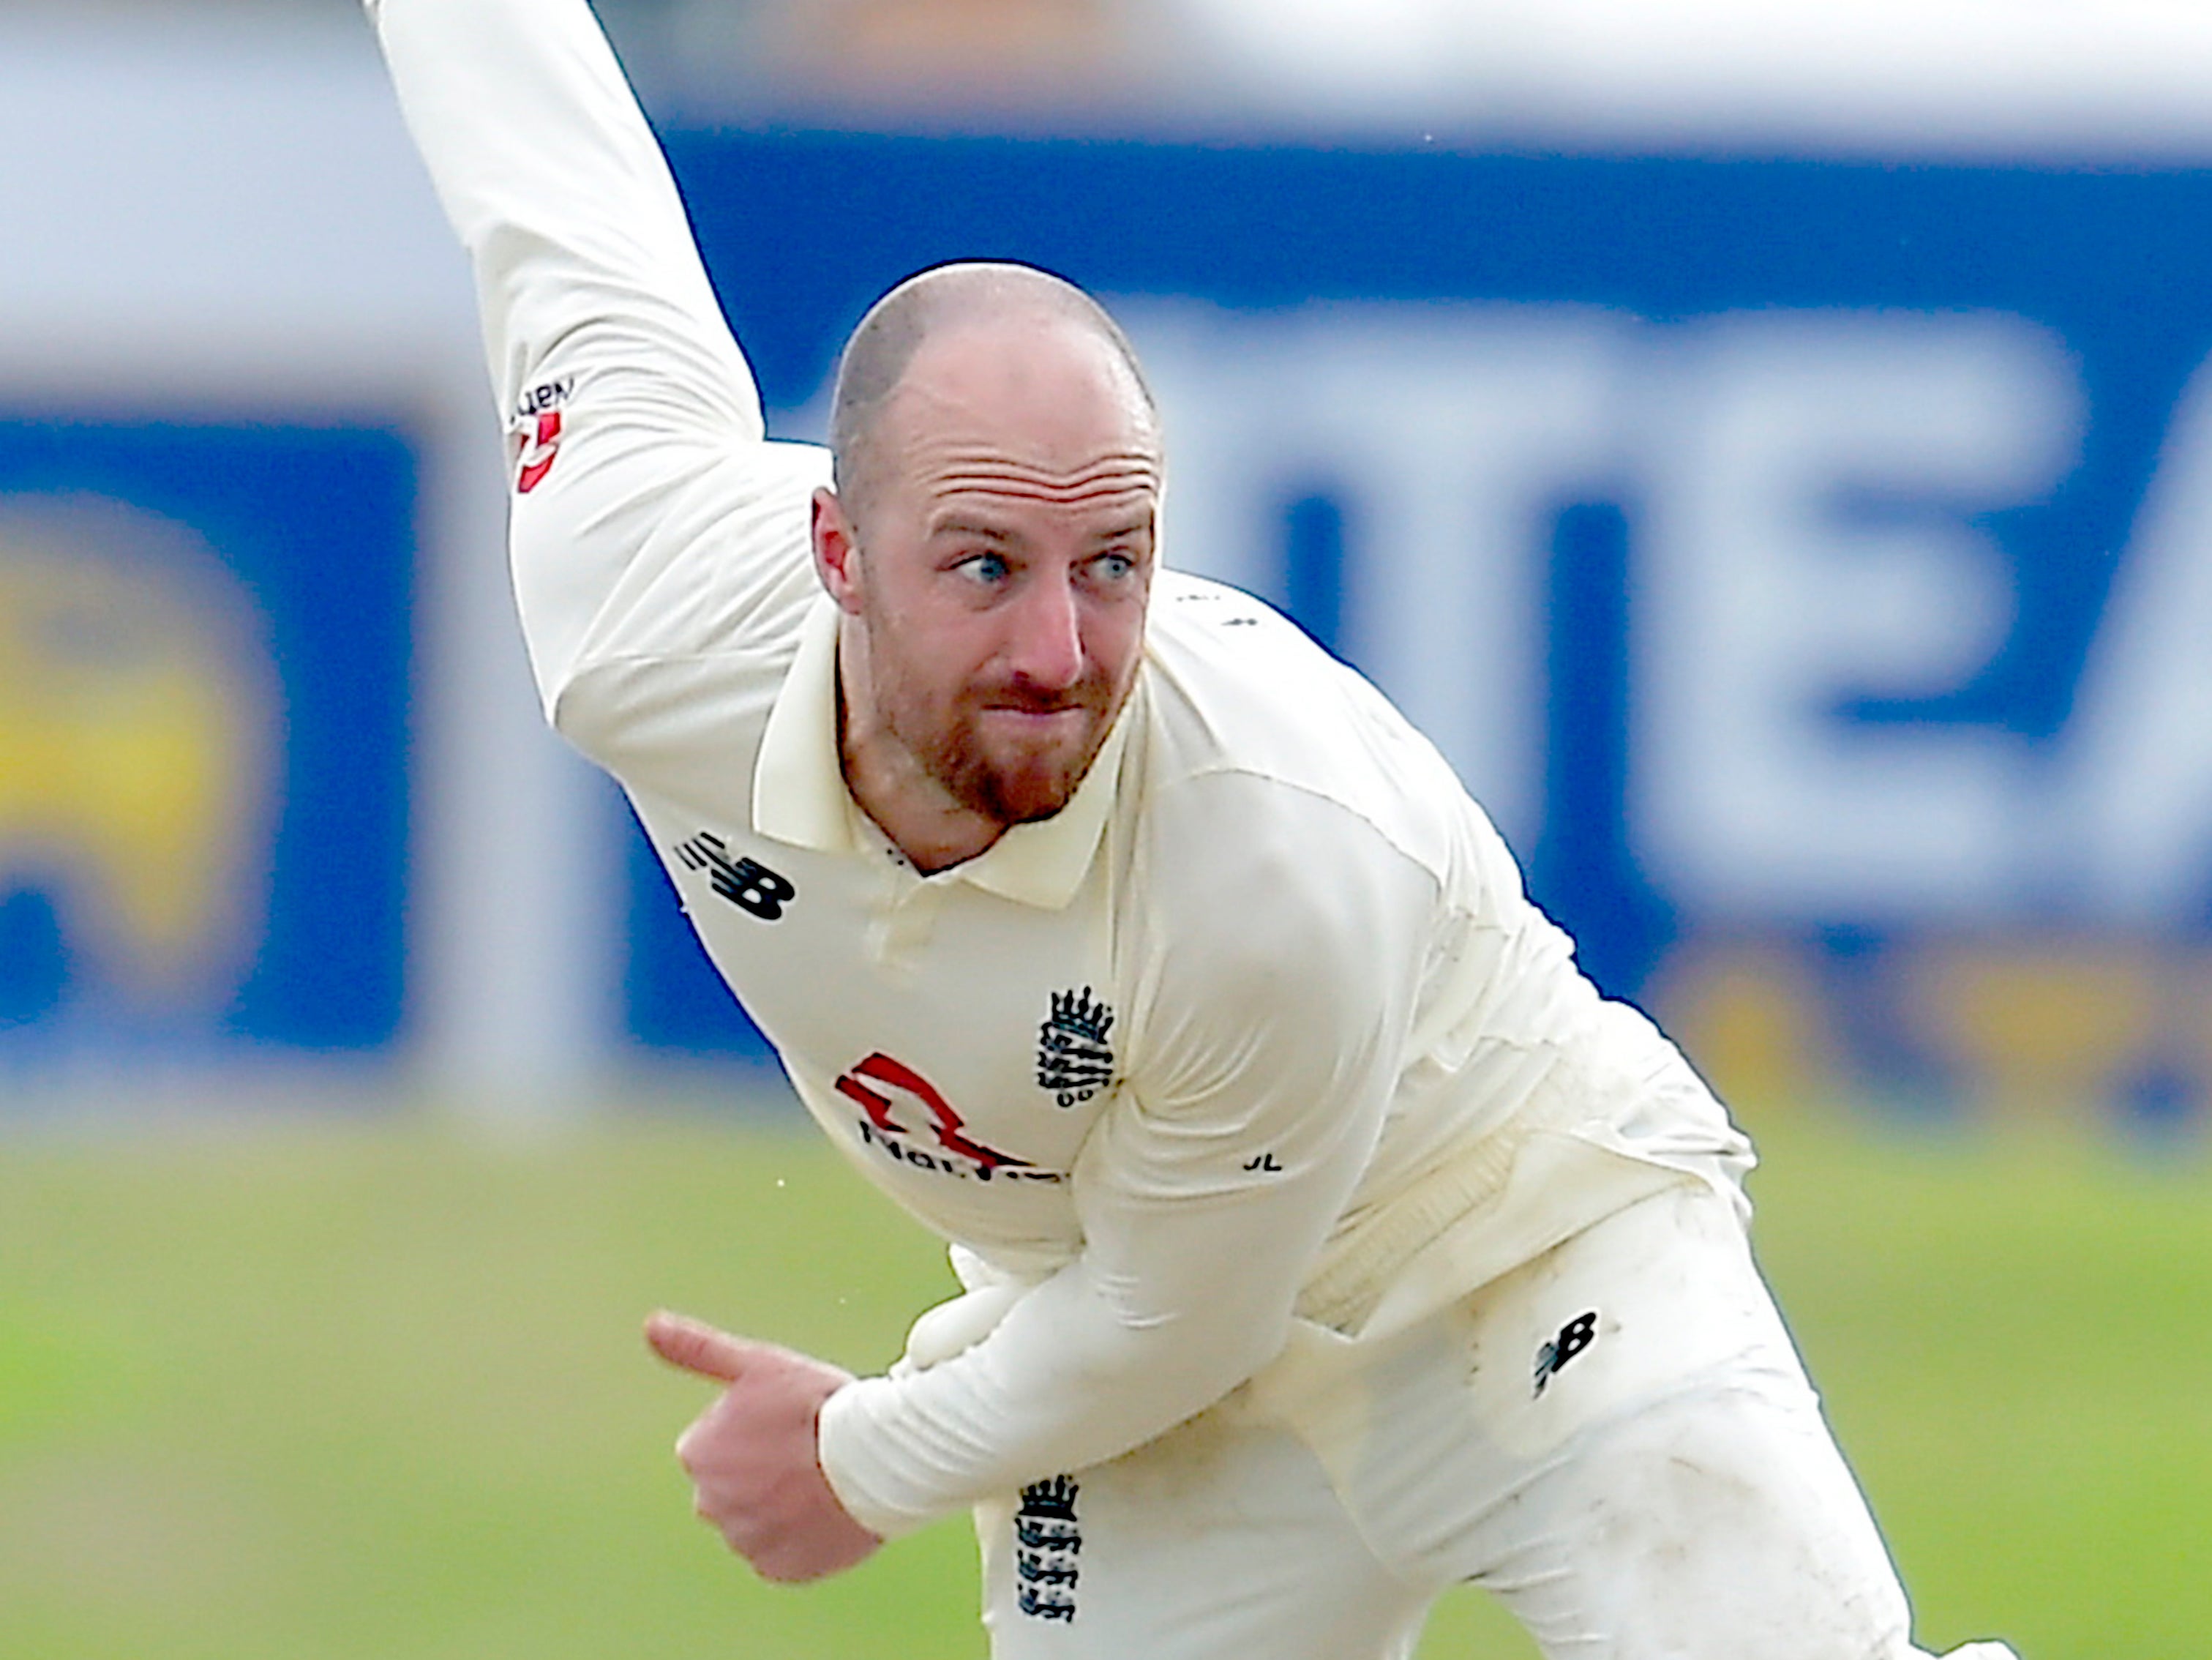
{"x":628,"y":401}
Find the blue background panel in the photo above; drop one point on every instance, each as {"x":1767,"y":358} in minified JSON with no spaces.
{"x":802,"y":231}
{"x":313,"y":526}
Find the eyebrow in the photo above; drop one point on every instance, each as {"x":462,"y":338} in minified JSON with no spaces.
{"x":975,"y":528}
{"x":1142,"y":523}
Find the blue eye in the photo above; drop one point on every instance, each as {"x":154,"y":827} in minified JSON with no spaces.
{"x":989,"y":569}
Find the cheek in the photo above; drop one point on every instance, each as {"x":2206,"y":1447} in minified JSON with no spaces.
{"x":930,"y":649}
{"x":945,"y":665}
{"x":1116,"y":641}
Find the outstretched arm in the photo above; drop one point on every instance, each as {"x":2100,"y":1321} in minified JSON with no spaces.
{"x":651,"y":523}
{"x":636,"y":427}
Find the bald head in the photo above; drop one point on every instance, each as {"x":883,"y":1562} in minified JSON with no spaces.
{"x":975,"y":297}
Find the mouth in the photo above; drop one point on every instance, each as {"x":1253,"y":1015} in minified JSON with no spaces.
{"x":1052,"y":721}
{"x":1041,"y":705}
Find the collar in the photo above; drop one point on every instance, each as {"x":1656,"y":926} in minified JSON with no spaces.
{"x":799,"y":795}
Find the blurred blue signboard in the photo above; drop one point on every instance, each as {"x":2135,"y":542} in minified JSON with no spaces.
{"x":1809,"y":563}
{"x":204,"y":666}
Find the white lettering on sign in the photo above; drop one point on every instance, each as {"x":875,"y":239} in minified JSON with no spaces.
{"x":1812,"y":482}
{"x":1804,"y":491}
{"x":1447,"y":436}
{"x":2138,"y":779}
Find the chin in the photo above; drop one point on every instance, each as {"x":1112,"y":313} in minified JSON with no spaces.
{"x":1024,"y":794}
{"x":1033,"y":800}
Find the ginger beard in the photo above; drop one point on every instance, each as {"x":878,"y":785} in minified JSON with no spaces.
{"x":998,"y":743}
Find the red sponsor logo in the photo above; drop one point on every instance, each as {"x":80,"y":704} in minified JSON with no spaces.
{"x":537,"y":430}
{"x":866,"y":1084}
{"x":539,"y":449}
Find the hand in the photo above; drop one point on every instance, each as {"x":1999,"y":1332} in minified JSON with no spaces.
{"x":751,"y":1456}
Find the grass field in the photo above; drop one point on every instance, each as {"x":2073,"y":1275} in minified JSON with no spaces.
{"x":330,"y":1390}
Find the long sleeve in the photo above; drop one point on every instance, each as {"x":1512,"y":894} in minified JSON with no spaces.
{"x":636,"y":425}
{"x":1273,"y":1031}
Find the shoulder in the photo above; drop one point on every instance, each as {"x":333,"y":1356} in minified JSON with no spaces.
{"x":1262,"y":881}
{"x":705,"y":613}
{"x":1261,"y":745}
{"x":1279,"y":936}
{"x":1292,"y":823}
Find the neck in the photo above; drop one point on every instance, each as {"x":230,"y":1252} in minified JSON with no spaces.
{"x":934,"y":830}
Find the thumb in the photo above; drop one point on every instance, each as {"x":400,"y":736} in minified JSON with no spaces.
{"x":696,"y":1347}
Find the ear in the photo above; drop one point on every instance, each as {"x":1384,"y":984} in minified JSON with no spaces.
{"x":836,"y":550}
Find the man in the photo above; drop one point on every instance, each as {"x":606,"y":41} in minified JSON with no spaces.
{"x":1328,"y":1240}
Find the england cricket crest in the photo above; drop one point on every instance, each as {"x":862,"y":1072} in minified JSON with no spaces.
{"x":1074,"y":1061}
{"x":1048,"y":1549}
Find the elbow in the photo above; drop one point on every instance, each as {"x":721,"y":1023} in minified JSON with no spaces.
{"x":1218,"y":1360}
{"x":1201,"y":1354}
{"x":575,"y":707}
{"x":562,"y":712}
{"x":1245,"y":1349}
{"x":577,"y":718}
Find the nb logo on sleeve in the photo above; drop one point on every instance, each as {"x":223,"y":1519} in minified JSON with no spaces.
{"x":1577,"y":1335}
{"x":747,"y":883}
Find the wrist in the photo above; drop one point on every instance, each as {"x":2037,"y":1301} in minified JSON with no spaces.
{"x":853,"y":1467}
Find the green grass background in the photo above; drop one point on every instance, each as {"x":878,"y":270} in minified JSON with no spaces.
{"x":372,"y":1386}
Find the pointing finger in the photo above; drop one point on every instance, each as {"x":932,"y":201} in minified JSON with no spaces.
{"x":695,"y":1346}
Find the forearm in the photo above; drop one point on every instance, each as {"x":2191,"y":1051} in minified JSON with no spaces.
{"x":1060,"y":1384}
{"x":1261,"y":1073}
{"x":1176,"y":1302}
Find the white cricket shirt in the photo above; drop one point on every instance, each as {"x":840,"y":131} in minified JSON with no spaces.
{"x":1257,"y":1037}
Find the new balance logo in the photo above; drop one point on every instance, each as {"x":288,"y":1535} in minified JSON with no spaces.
{"x":747,"y":883}
{"x":1074,"y":1061}
{"x":1578,"y":1334}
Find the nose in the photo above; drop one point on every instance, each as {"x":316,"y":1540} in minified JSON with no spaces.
{"x":1047,"y":648}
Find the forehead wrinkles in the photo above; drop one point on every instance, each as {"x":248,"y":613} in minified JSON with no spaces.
{"x":1125,"y":473}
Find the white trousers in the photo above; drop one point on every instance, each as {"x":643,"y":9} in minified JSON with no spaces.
{"x":1617,"y":1439}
